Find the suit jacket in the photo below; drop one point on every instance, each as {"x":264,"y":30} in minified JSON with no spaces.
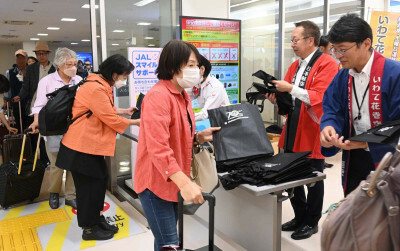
{"x":31,"y":80}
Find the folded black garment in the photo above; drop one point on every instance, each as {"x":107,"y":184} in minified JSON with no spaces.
{"x":267,"y":78}
{"x":274,"y":129}
{"x":283,"y":99}
{"x":226,"y":166}
{"x":271,"y":170}
{"x":386,"y":133}
{"x":136,"y":114}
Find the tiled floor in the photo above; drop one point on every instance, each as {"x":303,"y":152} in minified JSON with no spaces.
{"x":333,"y":193}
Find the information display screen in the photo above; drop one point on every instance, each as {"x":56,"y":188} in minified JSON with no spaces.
{"x":219,"y":41}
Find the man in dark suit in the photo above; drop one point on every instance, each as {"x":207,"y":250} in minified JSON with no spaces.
{"x":34,"y":73}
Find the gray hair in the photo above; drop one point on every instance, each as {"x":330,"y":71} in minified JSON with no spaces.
{"x":62,"y":54}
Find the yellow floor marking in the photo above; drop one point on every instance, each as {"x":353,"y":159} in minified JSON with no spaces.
{"x":123,"y":230}
{"x":14,"y":213}
{"x":33,"y":220}
{"x":26,"y":240}
{"x":60,"y":232}
{"x":87,"y":244}
{"x":43,"y":206}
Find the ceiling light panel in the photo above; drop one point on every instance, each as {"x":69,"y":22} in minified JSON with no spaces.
{"x":67,"y":19}
{"x":53,"y":28}
{"x":143,"y":3}
{"x":143,"y":23}
{"x":149,"y":38}
{"x":35,"y":38}
{"x":118,"y":31}
{"x":87,"y":6}
{"x":42,"y":34}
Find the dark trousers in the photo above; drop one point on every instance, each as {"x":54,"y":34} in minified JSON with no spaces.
{"x":360,"y":166}
{"x":308,"y":210}
{"x":90,"y":194}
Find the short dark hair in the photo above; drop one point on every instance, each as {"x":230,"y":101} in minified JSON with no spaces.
{"x":174,"y":55}
{"x":207,"y":65}
{"x":323,"y":41}
{"x":350,"y":28}
{"x":35,"y":59}
{"x":115,"y":64}
{"x":310,"y":30}
{"x":4,"y":84}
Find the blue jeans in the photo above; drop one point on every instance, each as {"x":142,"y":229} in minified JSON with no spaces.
{"x":162,"y":216}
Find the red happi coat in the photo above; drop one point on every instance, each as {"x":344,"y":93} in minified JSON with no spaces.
{"x":308,"y":129}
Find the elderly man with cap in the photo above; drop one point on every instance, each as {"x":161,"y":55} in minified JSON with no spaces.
{"x":16,"y":76}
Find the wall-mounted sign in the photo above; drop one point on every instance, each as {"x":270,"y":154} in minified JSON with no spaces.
{"x":386,"y":33}
{"x":219,"y":41}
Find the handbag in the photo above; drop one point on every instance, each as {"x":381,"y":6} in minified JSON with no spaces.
{"x":242,"y":133}
{"x":368,"y":218}
{"x":203,"y":173}
{"x":204,"y":168}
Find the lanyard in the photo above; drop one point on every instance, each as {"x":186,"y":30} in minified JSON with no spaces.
{"x":362,"y":101}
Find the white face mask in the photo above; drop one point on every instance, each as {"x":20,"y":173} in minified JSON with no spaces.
{"x":191,"y":77}
{"x":70,"y":72}
{"x":119,"y":83}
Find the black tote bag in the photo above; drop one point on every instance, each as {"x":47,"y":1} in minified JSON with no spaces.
{"x":242,"y":132}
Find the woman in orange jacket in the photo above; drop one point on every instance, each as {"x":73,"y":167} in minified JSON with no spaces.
{"x":90,"y":138}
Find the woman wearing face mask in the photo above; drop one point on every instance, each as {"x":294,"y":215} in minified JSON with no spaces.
{"x":166,"y":137}
{"x":65,"y":62}
{"x":90,"y":138}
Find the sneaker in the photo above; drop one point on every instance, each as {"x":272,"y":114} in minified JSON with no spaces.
{"x":96,"y":233}
{"x":104,"y":225}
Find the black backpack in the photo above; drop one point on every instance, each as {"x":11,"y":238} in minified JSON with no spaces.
{"x":56,"y":116}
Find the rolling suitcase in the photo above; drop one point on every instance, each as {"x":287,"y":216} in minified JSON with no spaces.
{"x":211,"y":202}
{"x":11,"y":147}
{"x":21,"y":180}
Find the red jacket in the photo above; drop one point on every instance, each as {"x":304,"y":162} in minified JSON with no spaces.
{"x":165,"y":140}
{"x":308,"y":130}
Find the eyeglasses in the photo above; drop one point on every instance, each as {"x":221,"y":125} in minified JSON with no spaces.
{"x":41,"y":53}
{"x":294,"y":41}
{"x":341,"y":53}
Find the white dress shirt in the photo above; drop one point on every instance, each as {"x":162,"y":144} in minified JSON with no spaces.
{"x":361,"y":81}
{"x":298,"y":92}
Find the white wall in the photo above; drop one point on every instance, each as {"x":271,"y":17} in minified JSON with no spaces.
{"x":206,"y":8}
{"x":374,"y":5}
{"x":7,"y":56}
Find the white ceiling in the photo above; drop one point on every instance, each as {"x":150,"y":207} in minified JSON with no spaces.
{"x":120,"y":14}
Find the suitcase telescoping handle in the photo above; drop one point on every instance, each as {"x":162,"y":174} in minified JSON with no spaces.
{"x":20,"y":114}
{"x":21,"y":157}
{"x":211,"y":202}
